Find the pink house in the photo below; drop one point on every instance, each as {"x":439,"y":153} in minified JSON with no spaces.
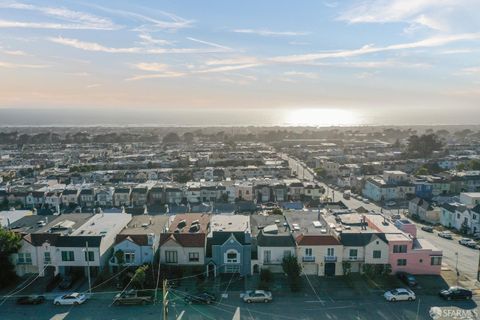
{"x":407,"y":253}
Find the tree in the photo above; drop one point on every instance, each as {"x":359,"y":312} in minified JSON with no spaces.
{"x":188,"y":137}
{"x":422,"y":171}
{"x":424,"y":145}
{"x":293,"y":269}
{"x":9,"y":244}
{"x":277,"y":211}
{"x":138,"y":279}
{"x":171,"y":138}
{"x":347,"y":267}
{"x":320,"y":173}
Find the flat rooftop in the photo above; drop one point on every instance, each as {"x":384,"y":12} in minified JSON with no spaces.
{"x":65,"y":223}
{"x":144,"y":224}
{"x":182,"y":223}
{"x":230,"y":223}
{"x":270,"y":223}
{"x":306,"y":222}
{"x":102,"y":224}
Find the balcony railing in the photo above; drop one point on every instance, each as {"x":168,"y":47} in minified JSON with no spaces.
{"x":330,"y":258}
{"x":355,"y":258}
{"x":308,"y":259}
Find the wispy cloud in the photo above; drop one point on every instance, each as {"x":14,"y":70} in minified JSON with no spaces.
{"x":269,"y":33}
{"x":13,"y":52}
{"x":308,"y":75}
{"x":368,"y":49}
{"x":96,"y":47}
{"x":10,"y":65}
{"x":208,"y":43}
{"x":470,"y":71}
{"x":427,"y":13}
{"x":233,"y":61}
{"x":93,"y":85}
{"x":149,"y":23}
{"x":75,"y":19}
{"x":147,"y":39}
{"x":156,"y":67}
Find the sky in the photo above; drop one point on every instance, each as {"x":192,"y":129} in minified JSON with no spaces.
{"x":391,"y":56}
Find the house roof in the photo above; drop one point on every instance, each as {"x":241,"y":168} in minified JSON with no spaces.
{"x":184,"y":239}
{"x":317,"y":240}
{"x":275,"y":240}
{"x":184,"y":222}
{"x":140,"y":239}
{"x":219,"y":238}
{"x":79,"y":241}
{"x":360,"y":239}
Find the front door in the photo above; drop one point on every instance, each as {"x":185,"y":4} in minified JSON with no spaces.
{"x":329,"y":269}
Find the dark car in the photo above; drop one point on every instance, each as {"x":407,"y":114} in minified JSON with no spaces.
{"x":427,"y":229}
{"x":30,"y":300}
{"x":407,"y":278}
{"x":67,"y":282}
{"x":202,"y":298}
{"x":456,"y":293}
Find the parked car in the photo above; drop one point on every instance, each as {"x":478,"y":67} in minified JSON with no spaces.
{"x":445,"y":235}
{"x":391,"y":203}
{"x":399,"y":294}
{"x":471,"y":244}
{"x":456,"y":293}
{"x":464,"y":241}
{"x":365,"y":200}
{"x":70,"y":299}
{"x":31,"y":300}
{"x":131,"y":297}
{"x":407,"y":278}
{"x":257,"y":296}
{"x":67,"y":282}
{"x":427,"y":229}
{"x":202,"y":298}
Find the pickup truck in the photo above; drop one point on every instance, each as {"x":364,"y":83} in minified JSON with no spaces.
{"x":131,"y":297}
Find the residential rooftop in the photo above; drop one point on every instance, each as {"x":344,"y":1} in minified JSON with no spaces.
{"x":228,"y":223}
{"x":144,"y":224}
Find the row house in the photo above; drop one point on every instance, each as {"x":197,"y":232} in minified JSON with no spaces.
{"x":424,"y":210}
{"x":377,"y":189}
{"x":229,"y":245}
{"x":69,"y":244}
{"x":104,"y":197}
{"x":139,"y":196}
{"x":121,"y":197}
{"x":461,"y":217}
{"x":87,"y":198}
{"x":138,"y":243}
{"x":183,"y":243}
{"x":70,"y":197}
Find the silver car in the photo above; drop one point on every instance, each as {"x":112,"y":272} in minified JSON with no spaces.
{"x":257,"y":296}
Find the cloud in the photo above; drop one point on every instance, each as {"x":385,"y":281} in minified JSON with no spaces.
{"x":93,"y":85}
{"x":96,"y":47}
{"x":149,"y":40}
{"x":212,"y":44}
{"x":470,"y":71}
{"x":308,"y":75}
{"x":168,"y":74}
{"x":13,"y":52}
{"x":232,"y":61}
{"x":150,"y":24}
{"x":9,"y":65}
{"x":268,"y":33}
{"x":368,"y":49}
{"x":228,"y":68}
{"x":330,"y":4}
{"x":76,"y":19}
{"x":156,"y":67}
{"x":418,"y":13}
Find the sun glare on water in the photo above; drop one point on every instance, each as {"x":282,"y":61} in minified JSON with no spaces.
{"x":321,"y":117}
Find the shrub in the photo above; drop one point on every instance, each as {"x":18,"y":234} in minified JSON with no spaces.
{"x":266,"y":275}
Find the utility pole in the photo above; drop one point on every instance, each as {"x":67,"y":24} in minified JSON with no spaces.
{"x":165,"y":300}
{"x":87,"y":255}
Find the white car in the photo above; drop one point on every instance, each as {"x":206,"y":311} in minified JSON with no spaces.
{"x":391,"y":203}
{"x":399,"y":294}
{"x":70,"y":299}
{"x":365,"y":200}
{"x":257,"y":296}
{"x":464,"y":241}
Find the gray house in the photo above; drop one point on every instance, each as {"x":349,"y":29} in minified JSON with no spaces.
{"x":229,"y":245}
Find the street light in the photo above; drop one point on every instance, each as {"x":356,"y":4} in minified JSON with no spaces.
{"x":456,"y":266}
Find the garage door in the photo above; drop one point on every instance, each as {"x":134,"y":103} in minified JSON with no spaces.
{"x":329,"y":269}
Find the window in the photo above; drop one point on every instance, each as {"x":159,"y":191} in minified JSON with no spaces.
{"x":193,"y":257}
{"x":458,"y":215}
{"x":47,"y":258}
{"x":330,"y":252}
{"x":68,"y":256}
{"x":401,"y":262}
{"x":171,"y":256}
{"x":267,"y":256}
{"x":377,"y":254}
{"x":129,"y":257}
{"x":232,"y":257}
{"x":474,"y":217}
{"x":308,"y":252}
{"x":89,"y":256}
{"x":400,"y":248}
{"x":287,"y":253}
{"x":436,"y":261}
{"x":353,"y":253}
{"x":24,"y":258}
